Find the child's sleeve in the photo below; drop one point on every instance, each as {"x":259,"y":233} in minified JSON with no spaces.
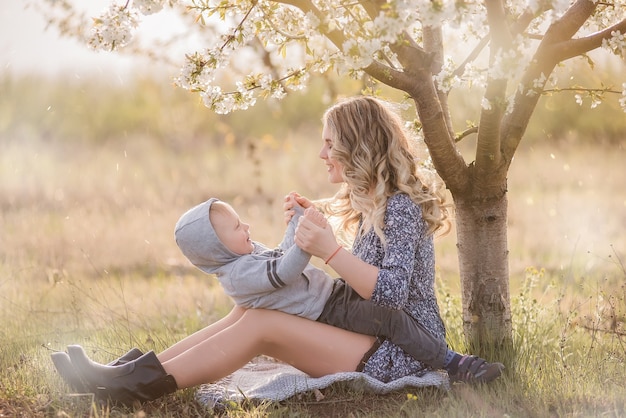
{"x":289,"y":237}
{"x":254,"y":275}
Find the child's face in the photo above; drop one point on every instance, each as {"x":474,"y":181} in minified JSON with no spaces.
{"x":233,"y":233}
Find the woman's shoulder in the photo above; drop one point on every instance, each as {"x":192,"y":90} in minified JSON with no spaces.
{"x":403,"y":212}
{"x":400,"y":202}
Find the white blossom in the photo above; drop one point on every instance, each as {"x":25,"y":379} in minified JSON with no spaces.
{"x":113,"y":29}
{"x":595,"y":102}
{"x":539,"y":82}
{"x":199,"y":69}
{"x":446,"y":79}
{"x":386,"y":28}
{"x":278,"y":92}
{"x":211,"y":96}
{"x":579,"y":99}
{"x":357,"y":55}
{"x":616,"y":43}
{"x":244,"y":97}
{"x":297,"y":38}
{"x":510,"y":63}
{"x":148,"y":7}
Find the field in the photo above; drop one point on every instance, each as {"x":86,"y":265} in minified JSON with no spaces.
{"x":87,"y":256}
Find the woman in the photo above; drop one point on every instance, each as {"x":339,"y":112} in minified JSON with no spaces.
{"x":391,"y":215}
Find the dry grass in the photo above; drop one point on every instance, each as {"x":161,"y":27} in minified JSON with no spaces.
{"x":87,"y":256}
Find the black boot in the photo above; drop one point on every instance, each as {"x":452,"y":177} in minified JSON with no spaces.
{"x":133,"y":354}
{"x":143,"y":379}
{"x":66,"y":370}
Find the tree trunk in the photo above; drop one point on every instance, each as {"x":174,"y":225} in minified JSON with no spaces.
{"x":483,"y":264}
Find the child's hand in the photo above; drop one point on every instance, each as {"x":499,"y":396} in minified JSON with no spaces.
{"x":302,"y":201}
{"x":291,"y":201}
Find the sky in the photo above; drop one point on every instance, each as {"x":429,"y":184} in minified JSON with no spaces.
{"x":28,"y":47}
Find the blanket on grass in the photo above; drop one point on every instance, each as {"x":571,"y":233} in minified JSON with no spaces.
{"x":266,"y":379}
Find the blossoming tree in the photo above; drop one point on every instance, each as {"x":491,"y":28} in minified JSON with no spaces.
{"x":511,"y":49}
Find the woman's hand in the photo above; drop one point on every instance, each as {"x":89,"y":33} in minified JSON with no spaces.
{"x":290,"y":201}
{"x":314,"y":235}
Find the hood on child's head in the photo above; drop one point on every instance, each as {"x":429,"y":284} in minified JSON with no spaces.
{"x":196,"y":238}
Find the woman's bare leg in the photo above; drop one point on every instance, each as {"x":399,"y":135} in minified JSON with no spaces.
{"x":315,"y":348}
{"x":207,"y":332}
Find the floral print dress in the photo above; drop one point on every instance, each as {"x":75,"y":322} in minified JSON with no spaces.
{"x":406,"y":280}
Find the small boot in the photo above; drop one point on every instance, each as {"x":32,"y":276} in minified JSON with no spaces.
{"x":143,"y":379}
{"x":67,"y":371}
{"x":133,"y":354}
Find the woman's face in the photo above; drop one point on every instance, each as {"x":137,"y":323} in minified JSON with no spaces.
{"x":334,"y":167}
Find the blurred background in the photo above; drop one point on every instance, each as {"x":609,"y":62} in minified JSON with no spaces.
{"x":100,"y":154}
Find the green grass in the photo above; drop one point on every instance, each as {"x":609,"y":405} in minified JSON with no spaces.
{"x":87,"y":256}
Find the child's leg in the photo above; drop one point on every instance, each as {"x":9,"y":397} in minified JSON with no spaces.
{"x":346,"y":309}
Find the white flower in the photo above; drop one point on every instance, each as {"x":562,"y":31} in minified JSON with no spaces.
{"x":579,"y":99}
{"x":114,"y":29}
{"x":595,"y":101}
{"x":358,"y":54}
{"x":148,"y":7}
{"x":445,"y":78}
{"x":539,"y":82}
{"x":616,"y":43}
{"x":278,"y":92}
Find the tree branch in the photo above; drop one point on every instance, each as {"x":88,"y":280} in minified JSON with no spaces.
{"x":458,"y":138}
{"x":488,"y":142}
{"x":521,"y":23}
{"x":415,"y":78}
{"x":390,"y":76}
{"x":498,"y":29}
{"x":543,"y":63}
{"x":567,"y":25}
{"x":575,"y":47}
{"x":385,"y":74}
{"x":433,"y":45}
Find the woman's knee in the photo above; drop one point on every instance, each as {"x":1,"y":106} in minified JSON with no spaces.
{"x":271,"y":326}
{"x":259,"y":317}
{"x":237,"y":311}
{"x":256,"y":323}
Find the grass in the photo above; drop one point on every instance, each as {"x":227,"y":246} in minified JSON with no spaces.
{"x":87,"y":256}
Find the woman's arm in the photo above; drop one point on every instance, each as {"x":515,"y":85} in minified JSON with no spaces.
{"x":321,"y":242}
{"x":404,"y":232}
{"x":361,"y":276}
{"x":388,"y":285}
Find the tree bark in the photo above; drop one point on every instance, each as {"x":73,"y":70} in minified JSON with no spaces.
{"x":483,"y":263}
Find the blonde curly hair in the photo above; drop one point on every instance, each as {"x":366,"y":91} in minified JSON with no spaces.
{"x":370,"y":142}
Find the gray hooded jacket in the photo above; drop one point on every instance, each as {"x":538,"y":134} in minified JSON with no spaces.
{"x":280,"y":279}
